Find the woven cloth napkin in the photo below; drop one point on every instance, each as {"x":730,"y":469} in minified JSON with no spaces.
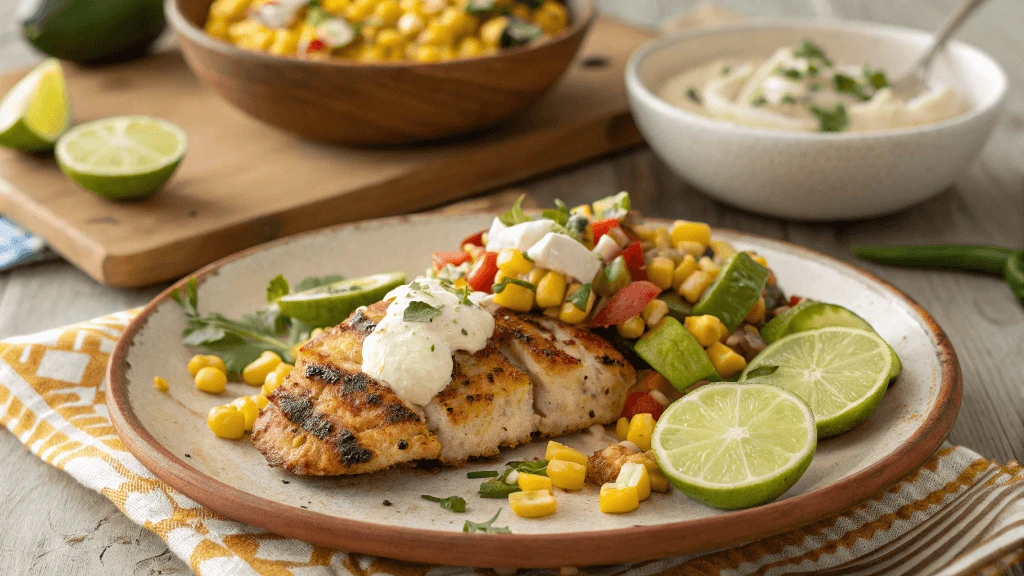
{"x":958,"y":514}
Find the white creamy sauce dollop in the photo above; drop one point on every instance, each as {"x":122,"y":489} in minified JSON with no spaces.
{"x":414,"y":358}
{"x":798,"y":88}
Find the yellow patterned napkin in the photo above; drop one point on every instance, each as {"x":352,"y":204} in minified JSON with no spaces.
{"x":958,"y":514}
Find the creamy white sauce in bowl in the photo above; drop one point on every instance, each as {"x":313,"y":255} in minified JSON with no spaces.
{"x":410,"y":350}
{"x":801,"y":89}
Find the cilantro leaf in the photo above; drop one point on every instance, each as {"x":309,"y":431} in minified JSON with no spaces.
{"x":762,"y":371}
{"x":791,"y":73}
{"x":560,"y":214}
{"x":487,"y":527}
{"x":479,"y":7}
{"x":500,"y":286}
{"x":693,"y":95}
{"x":849,"y":85}
{"x":419,"y":311}
{"x":876,"y":78}
{"x":788,"y":99}
{"x":580,"y":298}
{"x":452,"y":503}
{"x":530,"y":467}
{"x":834,"y":120}
{"x":515,"y":215}
{"x":810,"y":51}
{"x":317,"y":281}
{"x":278,"y":287}
{"x":759,"y":101}
{"x":315,"y":13}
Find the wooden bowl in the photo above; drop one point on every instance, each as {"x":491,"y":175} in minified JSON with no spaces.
{"x":385,"y":103}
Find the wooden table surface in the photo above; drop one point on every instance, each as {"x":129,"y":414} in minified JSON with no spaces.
{"x":51,"y":525}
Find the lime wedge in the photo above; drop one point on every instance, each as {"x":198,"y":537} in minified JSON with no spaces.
{"x":735,"y":445}
{"x":123,"y":157}
{"x":35,"y":112}
{"x":331,"y":304}
{"x":841,"y":372}
{"x":813,"y":315}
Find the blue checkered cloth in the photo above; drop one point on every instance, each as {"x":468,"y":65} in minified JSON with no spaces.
{"x":19,"y":246}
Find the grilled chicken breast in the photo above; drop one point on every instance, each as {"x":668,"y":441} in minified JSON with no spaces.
{"x":329,"y":418}
{"x":579,"y":378}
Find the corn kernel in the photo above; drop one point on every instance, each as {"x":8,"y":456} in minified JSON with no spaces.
{"x":388,"y":12}
{"x":256,"y":372}
{"x":247,"y":406}
{"x":691,"y":231}
{"x":758,"y":258}
{"x":229,"y":9}
{"x":654,"y":311}
{"x":200,"y":361}
{"x":471,"y":47}
{"x":286,"y":42}
{"x":706,"y":329}
{"x":637,"y":476}
{"x":662,"y":239}
{"x":622,"y":428}
{"x":756,"y":314}
{"x":617,"y":499}
{"x":567,"y":475}
{"x":160,"y":384}
{"x":683,"y":270}
{"x":389,"y":38}
{"x":522,"y":11}
{"x":690,"y":247}
{"x":641,"y":428}
{"x":260,"y":400}
{"x":725,"y":360}
{"x":659,"y":483}
{"x":708,"y":265}
{"x":559,"y":451}
{"x":211,"y":380}
{"x":659,"y":271}
{"x":460,"y":22}
{"x":226,"y":422}
{"x":272,"y":382}
{"x":644,"y":232}
{"x":694,"y":286}
{"x":515,"y":297}
{"x":217,"y":27}
{"x":529,"y":482}
{"x":632,"y":328}
{"x":359,"y":10}
{"x":570,"y":314}
{"x":492,"y":30}
{"x":512,"y":262}
{"x":722,"y":249}
{"x":532,"y":503}
{"x":536,"y":275}
{"x":337,"y":7}
{"x":551,"y":289}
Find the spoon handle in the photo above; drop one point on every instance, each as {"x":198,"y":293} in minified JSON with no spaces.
{"x":949,"y":27}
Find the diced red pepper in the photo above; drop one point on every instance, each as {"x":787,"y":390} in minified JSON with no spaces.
{"x":626,"y":303}
{"x":481,"y":276}
{"x":794,"y":300}
{"x":453,"y":257}
{"x":601,"y":227}
{"x":641,"y":403}
{"x":634,"y":256}
{"x":474,"y":239}
{"x":316,"y":45}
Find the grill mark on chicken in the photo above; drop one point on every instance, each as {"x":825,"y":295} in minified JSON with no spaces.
{"x":350,"y":450}
{"x":361,"y":322}
{"x":301,"y":412}
{"x":323,"y":372}
{"x":396,"y":413}
{"x":354,"y":382}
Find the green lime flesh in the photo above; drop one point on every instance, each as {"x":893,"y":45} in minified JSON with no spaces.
{"x":735,"y":445}
{"x":330,"y":305}
{"x":841,"y":372}
{"x":821,"y":315}
{"x":35,"y":112}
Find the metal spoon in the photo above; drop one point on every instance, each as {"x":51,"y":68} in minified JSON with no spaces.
{"x":913,"y":82}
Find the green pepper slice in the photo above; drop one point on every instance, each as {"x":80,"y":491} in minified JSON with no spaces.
{"x":677,"y":307}
{"x":675,"y":354}
{"x":614,"y":277}
{"x":734,"y":292}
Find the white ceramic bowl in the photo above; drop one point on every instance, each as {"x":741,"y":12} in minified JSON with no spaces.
{"x":815,"y":176}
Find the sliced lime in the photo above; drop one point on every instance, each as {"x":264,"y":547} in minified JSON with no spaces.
{"x":735,"y":445}
{"x":841,"y":372}
{"x":331,"y":304}
{"x":814,"y":315}
{"x":779,"y":326}
{"x":35,"y":112}
{"x":122,"y":157}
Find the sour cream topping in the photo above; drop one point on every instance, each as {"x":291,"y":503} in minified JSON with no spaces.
{"x":800,"y":89}
{"x":548,"y":249}
{"x":411,"y":349}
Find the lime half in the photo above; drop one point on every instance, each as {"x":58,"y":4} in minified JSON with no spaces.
{"x":331,"y":304}
{"x":735,"y":445}
{"x":122,"y":157}
{"x":35,"y":112}
{"x":841,"y":372}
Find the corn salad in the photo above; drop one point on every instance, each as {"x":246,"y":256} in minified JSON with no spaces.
{"x":384,"y":30}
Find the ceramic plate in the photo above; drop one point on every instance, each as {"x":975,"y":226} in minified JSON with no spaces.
{"x":383,"y":514}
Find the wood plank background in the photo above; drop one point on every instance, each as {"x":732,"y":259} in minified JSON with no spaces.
{"x":50,"y":525}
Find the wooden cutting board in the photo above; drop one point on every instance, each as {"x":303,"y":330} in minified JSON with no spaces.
{"x":243,"y":183}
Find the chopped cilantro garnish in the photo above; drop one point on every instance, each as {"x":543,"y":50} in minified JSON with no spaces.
{"x":453,"y":503}
{"x":560,"y":214}
{"x":464,"y":333}
{"x":726,"y":70}
{"x":418,"y":311}
{"x":876,"y":78}
{"x":814,"y":87}
{"x":759,"y":101}
{"x":693,"y":95}
{"x":515,"y":215}
{"x":500,"y":286}
{"x":580,"y":298}
{"x":482,"y":474}
{"x":849,"y":85}
{"x":834,"y":120}
{"x":487,"y":527}
{"x":810,"y":50}
{"x":791,"y":73}
{"x":788,"y":99}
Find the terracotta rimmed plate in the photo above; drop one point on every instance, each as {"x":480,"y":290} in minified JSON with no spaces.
{"x":167,"y":432}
